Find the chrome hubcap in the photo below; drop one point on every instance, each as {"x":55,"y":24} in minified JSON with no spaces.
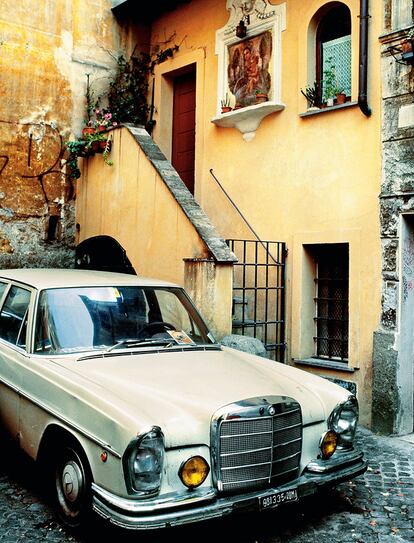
{"x":72,"y":481}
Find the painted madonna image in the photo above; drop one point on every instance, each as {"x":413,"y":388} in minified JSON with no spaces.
{"x":248,"y":69}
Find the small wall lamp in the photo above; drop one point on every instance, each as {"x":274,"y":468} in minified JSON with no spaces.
{"x":241,"y":28}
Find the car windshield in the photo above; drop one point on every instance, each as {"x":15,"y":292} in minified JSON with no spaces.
{"x":81,"y":319}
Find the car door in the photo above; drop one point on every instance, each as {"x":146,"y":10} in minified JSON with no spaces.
{"x":14,"y":303}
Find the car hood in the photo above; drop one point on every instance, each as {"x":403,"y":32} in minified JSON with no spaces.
{"x":180,"y":391}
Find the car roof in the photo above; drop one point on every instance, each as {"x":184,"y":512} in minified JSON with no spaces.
{"x":42,"y":278}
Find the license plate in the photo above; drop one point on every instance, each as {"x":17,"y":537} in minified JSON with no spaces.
{"x":278,"y":498}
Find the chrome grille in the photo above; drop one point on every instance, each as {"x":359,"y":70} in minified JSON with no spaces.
{"x":257,"y":443}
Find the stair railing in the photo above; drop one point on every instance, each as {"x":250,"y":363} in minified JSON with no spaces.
{"x":242,"y":216}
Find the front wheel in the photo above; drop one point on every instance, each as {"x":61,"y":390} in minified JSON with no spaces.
{"x":72,"y":486}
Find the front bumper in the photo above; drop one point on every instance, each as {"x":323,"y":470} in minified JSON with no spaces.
{"x":175,"y":509}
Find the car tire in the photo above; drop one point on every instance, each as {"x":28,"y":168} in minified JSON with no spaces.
{"x":72,"y":486}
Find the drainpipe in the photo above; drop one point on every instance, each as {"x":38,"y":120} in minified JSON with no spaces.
{"x":363,"y":58}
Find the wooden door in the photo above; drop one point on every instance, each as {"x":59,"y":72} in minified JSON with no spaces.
{"x":183,"y":143}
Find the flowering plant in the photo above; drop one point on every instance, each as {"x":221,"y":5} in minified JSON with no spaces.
{"x":94,"y":138}
{"x":101,"y":122}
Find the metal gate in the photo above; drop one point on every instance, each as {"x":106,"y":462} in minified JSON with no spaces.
{"x":259,"y":293}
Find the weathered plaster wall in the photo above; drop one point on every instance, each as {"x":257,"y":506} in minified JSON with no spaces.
{"x":46,"y":49}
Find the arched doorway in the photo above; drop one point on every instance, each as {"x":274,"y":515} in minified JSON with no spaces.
{"x":103,"y":253}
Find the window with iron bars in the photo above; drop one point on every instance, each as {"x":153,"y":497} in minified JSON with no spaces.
{"x":331,"y":301}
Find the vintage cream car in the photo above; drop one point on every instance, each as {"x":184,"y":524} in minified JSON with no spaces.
{"x":116,"y":386}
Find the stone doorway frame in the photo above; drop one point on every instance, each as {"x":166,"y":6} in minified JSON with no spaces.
{"x":405,"y":339}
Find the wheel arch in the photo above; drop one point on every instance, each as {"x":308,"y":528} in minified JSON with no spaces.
{"x":54,"y":437}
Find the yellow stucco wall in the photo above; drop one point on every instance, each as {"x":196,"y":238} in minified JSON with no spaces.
{"x":133,"y":205}
{"x":130,"y":202}
{"x":301,"y":180}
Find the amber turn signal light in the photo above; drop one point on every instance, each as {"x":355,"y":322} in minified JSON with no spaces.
{"x":328,"y":444}
{"x":193,"y":472}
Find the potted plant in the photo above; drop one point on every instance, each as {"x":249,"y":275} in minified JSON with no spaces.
{"x":331,"y":89}
{"x":225,"y":104}
{"x":94,"y":139}
{"x":311,"y":93}
{"x":340,"y":96}
{"x":96,"y":136}
{"x":261,"y":96}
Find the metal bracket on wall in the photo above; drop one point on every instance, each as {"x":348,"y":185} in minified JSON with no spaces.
{"x":401,"y":54}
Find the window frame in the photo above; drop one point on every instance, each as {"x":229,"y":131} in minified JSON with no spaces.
{"x":25,"y":319}
{"x":322,"y":14}
{"x":340,"y":252}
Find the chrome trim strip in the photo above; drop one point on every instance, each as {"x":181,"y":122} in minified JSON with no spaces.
{"x":248,"y":481}
{"x":245,"y":435}
{"x":287,"y":428}
{"x":150,"y":350}
{"x":168,"y":501}
{"x":283,"y":472}
{"x":63,"y":419}
{"x":223,"y":455}
{"x":289,"y":442}
{"x":248,"y":466}
{"x":287,"y":458}
{"x":338,"y":460}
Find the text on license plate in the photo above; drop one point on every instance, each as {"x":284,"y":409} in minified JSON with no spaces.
{"x":278,"y":498}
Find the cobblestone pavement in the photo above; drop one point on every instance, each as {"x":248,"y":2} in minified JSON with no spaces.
{"x":375,"y":508}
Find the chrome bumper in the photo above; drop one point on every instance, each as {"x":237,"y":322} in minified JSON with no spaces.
{"x":175,"y":509}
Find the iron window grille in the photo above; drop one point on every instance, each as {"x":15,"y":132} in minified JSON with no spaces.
{"x":331,"y":302}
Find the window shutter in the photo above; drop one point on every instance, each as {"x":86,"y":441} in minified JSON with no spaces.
{"x":339,"y":51}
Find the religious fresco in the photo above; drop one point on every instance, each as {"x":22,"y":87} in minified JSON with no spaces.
{"x":248,"y":68}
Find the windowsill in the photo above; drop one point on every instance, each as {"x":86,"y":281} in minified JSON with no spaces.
{"x":247,"y":119}
{"x":320,"y":111}
{"x":327,"y":364}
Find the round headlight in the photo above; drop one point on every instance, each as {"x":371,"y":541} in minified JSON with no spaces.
{"x":193,"y":472}
{"x":328,"y":444}
{"x":343,"y":420}
{"x":143,"y":463}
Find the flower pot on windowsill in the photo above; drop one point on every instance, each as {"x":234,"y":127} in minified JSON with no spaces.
{"x":341,"y":98}
{"x":261,"y":97}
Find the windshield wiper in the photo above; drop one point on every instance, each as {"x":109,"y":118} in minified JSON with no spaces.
{"x":138,"y":342}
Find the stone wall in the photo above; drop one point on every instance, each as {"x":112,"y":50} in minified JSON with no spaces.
{"x":48,"y":49}
{"x":392,"y":364}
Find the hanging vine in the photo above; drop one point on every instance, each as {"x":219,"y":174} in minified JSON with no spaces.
{"x":128,"y":92}
{"x":125,"y":102}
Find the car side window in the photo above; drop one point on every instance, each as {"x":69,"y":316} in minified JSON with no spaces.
{"x":2,"y":289}
{"x":13,"y":316}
